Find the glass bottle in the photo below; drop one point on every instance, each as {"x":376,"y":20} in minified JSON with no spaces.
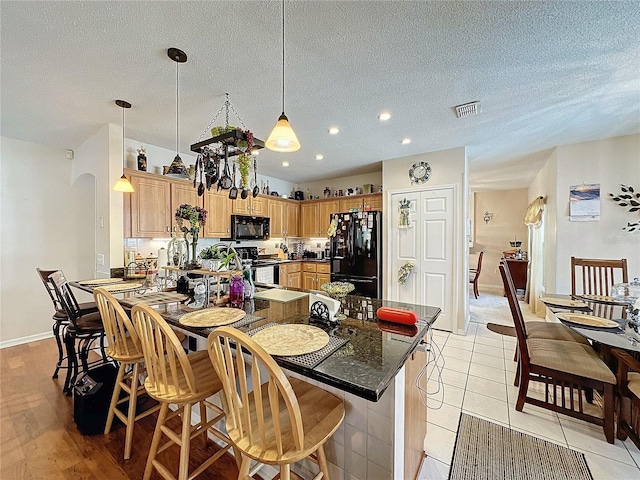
{"x":249,"y":288}
{"x":236,"y":291}
{"x":268,"y":189}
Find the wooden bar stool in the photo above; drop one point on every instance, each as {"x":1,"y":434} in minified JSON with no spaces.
{"x":279,"y":423}
{"x":123,"y":346}
{"x":177,"y":378}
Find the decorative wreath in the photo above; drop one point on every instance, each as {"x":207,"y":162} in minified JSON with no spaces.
{"x":197,"y":216}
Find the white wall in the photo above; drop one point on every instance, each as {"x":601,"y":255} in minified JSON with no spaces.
{"x":609,"y":162}
{"x":342,"y":183}
{"x":448,"y":167}
{"x":46,"y":221}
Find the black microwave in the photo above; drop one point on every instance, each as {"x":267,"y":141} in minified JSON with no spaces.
{"x":245,"y":227}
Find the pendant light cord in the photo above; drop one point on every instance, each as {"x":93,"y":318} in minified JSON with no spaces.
{"x":124,"y":160}
{"x":283,"y":56}
{"x":177,"y":110}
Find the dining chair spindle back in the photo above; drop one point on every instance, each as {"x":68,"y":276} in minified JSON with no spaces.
{"x":271,"y":418}
{"x":592,"y":276}
{"x":175,"y":377}
{"x":124,"y":347}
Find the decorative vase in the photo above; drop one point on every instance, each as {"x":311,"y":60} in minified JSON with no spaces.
{"x":142,"y":162}
{"x":236,"y":291}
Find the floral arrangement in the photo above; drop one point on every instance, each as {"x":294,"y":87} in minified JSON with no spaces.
{"x":197,"y":216}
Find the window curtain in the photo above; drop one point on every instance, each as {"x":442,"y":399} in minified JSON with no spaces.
{"x":534,"y":219}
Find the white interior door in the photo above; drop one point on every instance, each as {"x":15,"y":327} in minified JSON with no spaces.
{"x":428,"y":244}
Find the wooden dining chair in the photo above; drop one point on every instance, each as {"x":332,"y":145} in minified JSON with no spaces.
{"x":84,"y":328}
{"x":175,"y":377}
{"x":270,"y":418}
{"x":628,"y":413}
{"x":566,"y":369}
{"x":60,"y":318}
{"x":124,"y":347}
{"x":590,"y":276}
{"x":474,"y":274}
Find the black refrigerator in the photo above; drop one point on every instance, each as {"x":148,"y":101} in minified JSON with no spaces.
{"x":356,"y":252}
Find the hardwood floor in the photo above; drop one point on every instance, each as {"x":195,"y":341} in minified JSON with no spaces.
{"x":39,"y":439}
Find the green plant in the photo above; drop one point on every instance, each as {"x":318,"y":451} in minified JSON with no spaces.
{"x":226,"y":259}
{"x":211,"y":253}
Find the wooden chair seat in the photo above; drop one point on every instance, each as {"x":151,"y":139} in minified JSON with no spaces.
{"x":569,"y":357}
{"x":321,"y":415}
{"x":179,"y":391}
{"x":553,"y":331}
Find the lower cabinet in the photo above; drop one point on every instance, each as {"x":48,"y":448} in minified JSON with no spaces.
{"x":290,"y":275}
{"x":314,"y":274}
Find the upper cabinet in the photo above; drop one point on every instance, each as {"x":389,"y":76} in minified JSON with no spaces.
{"x":254,"y":206}
{"x":284,"y":217}
{"x":361,"y":202}
{"x":218,"y":207}
{"x":315,"y":217}
{"x":149,"y":210}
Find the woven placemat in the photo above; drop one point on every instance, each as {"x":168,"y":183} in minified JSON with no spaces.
{"x":487,"y":451}
{"x":121,"y":288}
{"x":309,"y":360}
{"x":100,"y":281}
{"x":212,"y":317}
{"x":291,"y":339}
{"x":157,"y":298}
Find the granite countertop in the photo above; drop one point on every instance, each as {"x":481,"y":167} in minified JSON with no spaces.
{"x":367,"y":364}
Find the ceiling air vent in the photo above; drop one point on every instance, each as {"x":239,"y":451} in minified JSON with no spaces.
{"x":467,"y":109}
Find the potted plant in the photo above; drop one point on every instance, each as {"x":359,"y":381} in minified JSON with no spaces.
{"x":211,"y":257}
{"x":226,"y":260}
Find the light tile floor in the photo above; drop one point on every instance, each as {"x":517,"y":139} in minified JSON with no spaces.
{"x":477,"y":379}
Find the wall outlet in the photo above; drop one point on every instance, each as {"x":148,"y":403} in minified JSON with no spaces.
{"x":100,"y":259}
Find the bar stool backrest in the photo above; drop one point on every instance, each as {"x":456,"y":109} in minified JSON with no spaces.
{"x":44,"y":276}
{"x":170,"y":375}
{"x":65,"y":296}
{"x":254,"y":417}
{"x":123,"y":341}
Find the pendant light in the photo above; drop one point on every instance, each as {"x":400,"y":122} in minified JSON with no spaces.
{"x":283,"y":138}
{"x":177,"y":168}
{"x":123,"y":185}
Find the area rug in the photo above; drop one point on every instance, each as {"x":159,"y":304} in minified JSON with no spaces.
{"x":502,"y":329}
{"x":485,"y":450}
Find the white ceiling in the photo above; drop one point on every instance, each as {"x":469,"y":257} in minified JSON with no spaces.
{"x":547,"y":73}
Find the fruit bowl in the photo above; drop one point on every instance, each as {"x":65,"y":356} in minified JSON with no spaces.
{"x":338,"y":290}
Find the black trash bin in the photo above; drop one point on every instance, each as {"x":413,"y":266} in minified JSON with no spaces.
{"x":91,"y":398}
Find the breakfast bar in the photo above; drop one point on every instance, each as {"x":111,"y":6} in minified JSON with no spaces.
{"x":373,"y":366}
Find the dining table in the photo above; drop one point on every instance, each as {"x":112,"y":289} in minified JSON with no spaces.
{"x":611,"y":334}
{"x":372,"y":364}
{"x":130,"y":292}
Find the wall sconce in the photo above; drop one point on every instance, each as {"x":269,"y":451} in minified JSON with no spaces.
{"x":487,"y":216}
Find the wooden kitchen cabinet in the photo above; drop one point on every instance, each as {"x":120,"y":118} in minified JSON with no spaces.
{"x":314,"y":274}
{"x":284,"y":215}
{"x":373,"y":201}
{"x":183,"y":192}
{"x":149,"y":211}
{"x":218,"y":207}
{"x":290,"y":275}
{"x":254,"y":206}
{"x":314,"y":217}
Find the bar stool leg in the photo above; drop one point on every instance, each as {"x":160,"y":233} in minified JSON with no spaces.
{"x":185,"y":441}
{"x":131,"y":413}
{"x":244,"y":468}
{"x":155,"y":442}
{"x":72,"y":363}
{"x":56,"y":334}
{"x":114,"y":400}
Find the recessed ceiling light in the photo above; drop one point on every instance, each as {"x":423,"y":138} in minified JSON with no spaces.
{"x":285,"y":164}
{"x":383,"y":117}
{"x":406,"y":140}
{"x":319,"y":156}
{"x":334,"y":130}
{"x":255,"y":152}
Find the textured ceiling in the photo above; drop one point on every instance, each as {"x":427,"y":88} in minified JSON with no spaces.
{"x":547,"y":73}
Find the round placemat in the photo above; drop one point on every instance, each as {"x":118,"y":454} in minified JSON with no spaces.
{"x":122,"y":287}
{"x":563,"y":302}
{"x":289,"y":340}
{"x":587,"y":320}
{"x":212,"y":317}
{"x":101,"y":281}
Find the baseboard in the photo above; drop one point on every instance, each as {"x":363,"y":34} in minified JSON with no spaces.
{"x":23,"y":340}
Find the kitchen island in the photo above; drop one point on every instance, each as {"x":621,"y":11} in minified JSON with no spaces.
{"x":373,"y":368}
